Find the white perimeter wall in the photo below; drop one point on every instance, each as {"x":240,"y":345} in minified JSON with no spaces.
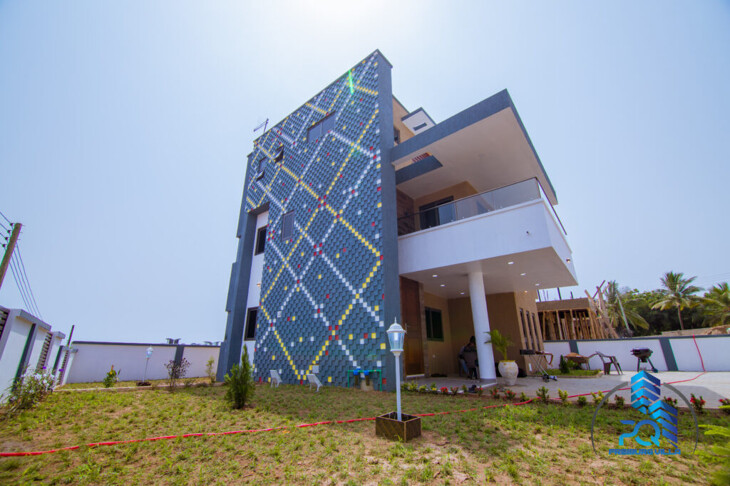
{"x":35,"y":353}
{"x":93,"y":361}
{"x":17,"y":330}
{"x":713,"y":350}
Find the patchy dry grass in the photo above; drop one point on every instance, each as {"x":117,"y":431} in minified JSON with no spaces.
{"x":533,"y":444}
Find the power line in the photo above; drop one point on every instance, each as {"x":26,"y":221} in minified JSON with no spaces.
{"x":17,"y":283}
{"x":6,"y":218}
{"x":4,"y":227}
{"x":14,"y":261}
{"x":25,"y":274}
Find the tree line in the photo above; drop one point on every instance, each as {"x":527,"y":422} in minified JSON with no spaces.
{"x":677,"y":305}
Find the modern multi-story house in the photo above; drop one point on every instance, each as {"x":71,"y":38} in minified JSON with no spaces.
{"x":357,"y":212}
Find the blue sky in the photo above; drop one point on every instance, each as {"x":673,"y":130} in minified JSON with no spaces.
{"x":124,"y":128}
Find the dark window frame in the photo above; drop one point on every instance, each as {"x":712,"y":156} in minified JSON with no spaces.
{"x":430,"y":324}
{"x":284,"y":221}
{"x":250,"y":324}
{"x":322,"y":127}
{"x":279,"y":156}
{"x":261,"y":169}
{"x":260,"y":245}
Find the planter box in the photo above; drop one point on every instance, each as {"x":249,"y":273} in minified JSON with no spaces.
{"x":390,"y":427}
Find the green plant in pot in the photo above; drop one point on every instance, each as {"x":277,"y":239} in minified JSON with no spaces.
{"x":507,"y":367}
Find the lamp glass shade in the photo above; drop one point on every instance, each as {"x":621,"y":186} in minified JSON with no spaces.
{"x":395,"y":337}
{"x":149,"y":351}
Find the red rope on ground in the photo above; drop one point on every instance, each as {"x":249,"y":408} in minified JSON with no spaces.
{"x":271,"y":429}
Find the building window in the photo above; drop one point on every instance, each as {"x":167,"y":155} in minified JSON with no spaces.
{"x":321,"y":128}
{"x":396,"y":136}
{"x":260,"y":240}
{"x":260,"y":168}
{"x":251,"y":324}
{"x":287,"y":226}
{"x":279,"y":155}
{"x":434,"y":327}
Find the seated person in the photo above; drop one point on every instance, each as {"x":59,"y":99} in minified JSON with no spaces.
{"x":468,"y":356}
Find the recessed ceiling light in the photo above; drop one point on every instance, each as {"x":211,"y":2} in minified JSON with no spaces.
{"x":434,"y":275}
{"x":462,"y":293}
{"x":510,"y":263}
{"x":537,"y":285}
{"x":523,"y":274}
{"x":443,"y":285}
{"x":567,"y":260}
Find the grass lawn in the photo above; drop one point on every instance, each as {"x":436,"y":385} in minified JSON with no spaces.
{"x":532,"y":444}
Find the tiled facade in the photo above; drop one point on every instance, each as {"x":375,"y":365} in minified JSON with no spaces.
{"x":322,"y":290}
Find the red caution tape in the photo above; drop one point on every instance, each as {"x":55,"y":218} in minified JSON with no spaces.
{"x":272,"y":429}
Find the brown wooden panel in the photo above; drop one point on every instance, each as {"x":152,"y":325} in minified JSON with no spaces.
{"x":411,"y":311}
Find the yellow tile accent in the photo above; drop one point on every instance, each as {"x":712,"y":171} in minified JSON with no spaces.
{"x":329,"y":379}
{"x":337,"y":256}
{"x":382,"y":345}
{"x":301,"y":339}
{"x":273,"y":357}
{"x":349,"y":337}
{"x":377,"y":308}
{"x":373,"y":336}
{"x":319,"y":277}
{"x":357,"y":296}
{"x":293,"y":318}
{"x":380,"y":205}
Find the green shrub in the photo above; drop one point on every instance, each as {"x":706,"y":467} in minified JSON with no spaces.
{"x":564,"y":368}
{"x":209,"y":371}
{"x":563,"y":396}
{"x":720,"y":453}
{"x":509,"y":394}
{"x":31,"y":389}
{"x":619,"y":401}
{"x":494,"y":392}
{"x":582,"y":401}
{"x":697,"y":403}
{"x":597,"y":397}
{"x":240,"y":382}
{"x":111,"y":377}
{"x":523,"y":397}
{"x":543,"y":394}
{"x":176,"y":371}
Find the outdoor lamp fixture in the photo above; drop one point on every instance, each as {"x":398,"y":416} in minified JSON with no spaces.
{"x":395,"y":337}
{"x":150,"y":350}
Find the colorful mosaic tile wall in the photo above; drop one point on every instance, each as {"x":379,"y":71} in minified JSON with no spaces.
{"x":322,"y":289}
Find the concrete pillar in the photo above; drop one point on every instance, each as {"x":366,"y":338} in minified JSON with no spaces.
{"x":481,"y":326}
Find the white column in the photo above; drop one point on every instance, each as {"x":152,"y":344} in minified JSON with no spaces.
{"x":481,"y":326}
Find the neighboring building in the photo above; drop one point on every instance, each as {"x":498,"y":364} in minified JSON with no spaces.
{"x":27,"y":343}
{"x":357,"y":212}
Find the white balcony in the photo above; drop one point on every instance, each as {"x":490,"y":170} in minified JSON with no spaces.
{"x":511,"y":234}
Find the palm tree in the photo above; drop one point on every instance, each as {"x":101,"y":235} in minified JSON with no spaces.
{"x":618,"y":312}
{"x":716,"y":303}
{"x":678,"y":292}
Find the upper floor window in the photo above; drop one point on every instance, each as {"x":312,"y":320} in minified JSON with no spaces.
{"x":250,"y":331}
{"x":287,"y":226}
{"x":260,"y":240}
{"x":434,"y":325}
{"x":279,"y":155}
{"x":260,"y":168}
{"x":321,"y":128}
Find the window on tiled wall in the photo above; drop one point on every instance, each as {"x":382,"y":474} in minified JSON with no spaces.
{"x":260,"y":240}
{"x":260,"y":168}
{"x":251,"y":324}
{"x":287,"y":226}
{"x":434,"y":326}
{"x":320,"y":128}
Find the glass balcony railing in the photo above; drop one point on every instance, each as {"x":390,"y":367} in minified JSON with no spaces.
{"x":504,"y":197}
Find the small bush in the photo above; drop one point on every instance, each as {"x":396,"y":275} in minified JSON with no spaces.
{"x":720,"y":452}
{"x":445,"y":390}
{"x":697,"y":403}
{"x":564,"y":368}
{"x":111,"y":377}
{"x":563,"y":396}
{"x":509,"y":394}
{"x":523,"y":397}
{"x":619,"y":401}
{"x":480,"y":391}
{"x":209,"y":371}
{"x":597,"y":397}
{"x":543,"y":394}
{"x":454,"y":390}
{"x":494,"y":392}
{"x":725,"y":405}
{"x":465,"y":389}
{"x":240,"y":382}
{"x":582,"y":401}
{"x":670,"y":401}
{"x":32,"y":388}
{"x":422,"y":389}
{"x":176,"y":371}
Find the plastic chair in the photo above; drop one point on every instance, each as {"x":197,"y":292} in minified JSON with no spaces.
{"x":275,"y":378}
{"x":314,"y":381}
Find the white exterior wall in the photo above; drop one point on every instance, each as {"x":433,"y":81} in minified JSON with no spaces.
{"x":17,"y":333}
{"x":198,"y":356}
{"x":93,"y":361}
{"x":521,"y":228}
{"x":622,"y":350}
{"x":35,"y":354}
{"x":254,"y":288}
{"x":713,"y":350}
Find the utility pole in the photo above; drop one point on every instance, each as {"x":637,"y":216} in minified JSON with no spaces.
{"x":9,"y":251}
